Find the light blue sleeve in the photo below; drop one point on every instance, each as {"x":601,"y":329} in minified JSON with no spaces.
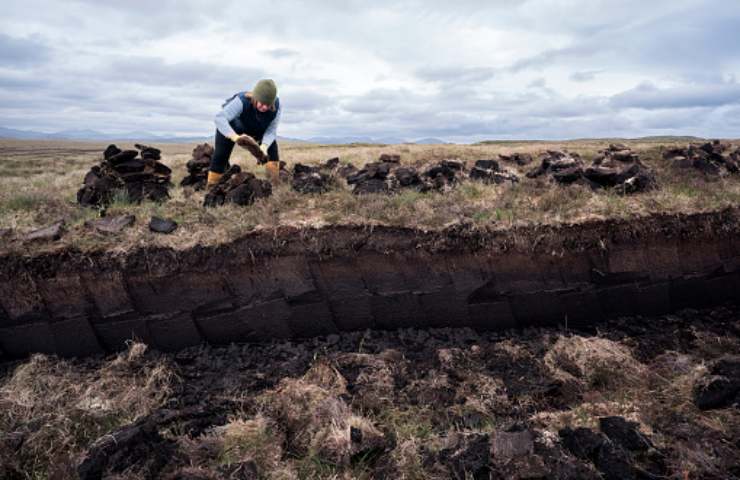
{"x":230,"y":111}
{"x":271,"y":131}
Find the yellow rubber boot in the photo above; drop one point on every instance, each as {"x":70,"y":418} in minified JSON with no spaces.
{"x":272,"y":171}
{"x":213,"y":178}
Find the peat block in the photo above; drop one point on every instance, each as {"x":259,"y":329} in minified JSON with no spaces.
{"x":162,"y":225}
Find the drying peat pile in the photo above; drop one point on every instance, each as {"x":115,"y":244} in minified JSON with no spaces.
{"x":198,"y":166}
{"x":639,"y":398}
{"x":489,"y":171}
{"x":712,"y":158}
{"x":520,"y":159}
{"x":387,"y":175}
{"x":137,"y":174}
{"x":616,"y":167}
{"x":237,"y":187}
{"x":314,"y":178}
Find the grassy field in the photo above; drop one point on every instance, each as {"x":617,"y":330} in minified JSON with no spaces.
{"x":39,"y":181}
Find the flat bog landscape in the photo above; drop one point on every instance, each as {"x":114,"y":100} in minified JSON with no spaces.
{"x":496,"y":310}
{"x":387,"y":240}
{"x":40,"y":181}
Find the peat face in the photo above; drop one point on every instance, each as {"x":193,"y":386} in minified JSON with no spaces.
{"x":300,"y":283}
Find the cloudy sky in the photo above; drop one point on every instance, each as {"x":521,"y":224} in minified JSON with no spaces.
{"x":460,"y":71}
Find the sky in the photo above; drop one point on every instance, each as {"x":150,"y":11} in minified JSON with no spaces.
{"x":460,"y":71}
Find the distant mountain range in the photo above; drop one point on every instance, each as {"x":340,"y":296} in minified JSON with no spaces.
{"x":92,"y":135}
{"x":371,"y":140}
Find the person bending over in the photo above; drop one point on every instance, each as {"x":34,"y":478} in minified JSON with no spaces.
{"x":256,"y":114}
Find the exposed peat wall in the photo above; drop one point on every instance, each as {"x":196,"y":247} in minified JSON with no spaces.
{"x":293,"y":282}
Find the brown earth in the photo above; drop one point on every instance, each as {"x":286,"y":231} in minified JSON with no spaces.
{"x":612,"y":401}
{"x":304,"y":282}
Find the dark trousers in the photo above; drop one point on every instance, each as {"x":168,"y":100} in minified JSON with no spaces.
{"x":224,"y":147}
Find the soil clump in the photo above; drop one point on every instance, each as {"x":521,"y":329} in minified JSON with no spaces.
{"x":720,"y":387}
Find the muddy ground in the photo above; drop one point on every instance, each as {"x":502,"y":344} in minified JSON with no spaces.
{"x":407,"y":404}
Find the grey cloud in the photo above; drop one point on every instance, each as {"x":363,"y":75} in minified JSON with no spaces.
{"x":540,"y":82}
{"x":155,"y":71}
{"x":668,"y":119}
{"x":22,"y":52}
{"x":681,"y":40}
{"x":307,"y":100}
{"x":648,"y":96}
{"x":378,"y":100}
{"x":551,"y":56}
{"x":584,"y":76}
{"x":282,"y":53}
{"x":455,"y":74}
{"x":21,"y":81}
{"x":88,"y":66}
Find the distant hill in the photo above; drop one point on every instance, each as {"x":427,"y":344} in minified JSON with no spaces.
{"x":95,"y":136}
{"x":649,"y":139}
{"x":430,"y":141}
{"x":20,"y":134}
{"x":343,"y":140}
{"x":373,"y":141}
{"x":92,"y":135}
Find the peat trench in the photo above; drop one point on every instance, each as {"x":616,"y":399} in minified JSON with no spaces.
{"x":293,"y":283}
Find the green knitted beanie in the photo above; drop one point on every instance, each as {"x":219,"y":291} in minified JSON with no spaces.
{"x":265,"y":92}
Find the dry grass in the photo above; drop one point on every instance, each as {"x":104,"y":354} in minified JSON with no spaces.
{"x":593,"y":362}
{"x":318,"y":424}
{"x":39,"y":181}
{"x":60,"y":408}
{"x":254,"y":440}
{"x":301,"y":427}
{"x":657,"y":395}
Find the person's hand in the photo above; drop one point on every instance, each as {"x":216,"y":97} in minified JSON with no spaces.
{"x":263,"y":147}
{"x":235,"y":138}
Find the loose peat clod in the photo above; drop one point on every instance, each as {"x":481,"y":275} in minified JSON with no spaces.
{"x":114,"y":224}
{"x":46,"y":234}
{"x":162,"y":225}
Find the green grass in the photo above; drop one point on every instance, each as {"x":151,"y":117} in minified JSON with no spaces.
{"x":23,"y":203}
{"x":408,"y":423}
{"x":312,"y":467}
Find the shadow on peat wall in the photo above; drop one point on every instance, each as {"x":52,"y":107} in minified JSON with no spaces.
{"x":305,"y":282}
